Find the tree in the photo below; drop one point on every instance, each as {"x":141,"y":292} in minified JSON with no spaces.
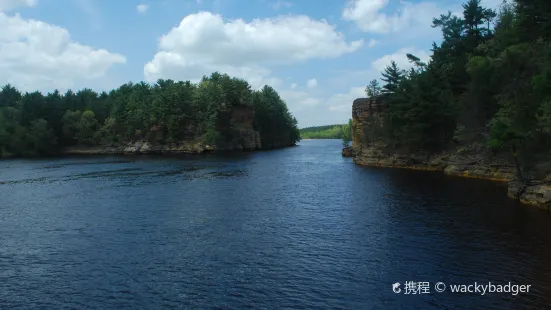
{"x":107,"y":135}
{"x":416,"y":61}
{"x":422,"y":112}
{"x":373,"y":89}
{"x":273,"y":120}
{"x":347,"y":134}
{"x":489,"y":16}
{"x":86,"y":128}
{"x":41,"y":137}
{"x":474,"y":16}
{"x":9,"y":96}
{"x":392,"y":76}
{"x":71,"y":127}
{"x":216,"y":111}
{"x":533,"y":19}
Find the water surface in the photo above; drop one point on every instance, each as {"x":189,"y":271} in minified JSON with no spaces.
{"x":297,"y":228}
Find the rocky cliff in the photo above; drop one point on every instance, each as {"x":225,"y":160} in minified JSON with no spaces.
{"x":471,"y":161}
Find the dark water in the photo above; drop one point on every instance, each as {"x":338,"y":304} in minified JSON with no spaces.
{"x":295,"y":228}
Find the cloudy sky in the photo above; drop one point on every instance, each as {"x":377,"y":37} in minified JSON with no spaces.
{"x":318,"y":54}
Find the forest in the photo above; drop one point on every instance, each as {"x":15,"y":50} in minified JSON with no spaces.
{"x":338,"y":131}
{"x":487,"y":82}
{"x":32,"y":123}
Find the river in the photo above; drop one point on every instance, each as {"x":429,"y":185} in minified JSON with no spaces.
{"x":295,"y":228}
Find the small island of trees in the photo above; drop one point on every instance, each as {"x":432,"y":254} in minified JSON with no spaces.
{"x":33,"y":123}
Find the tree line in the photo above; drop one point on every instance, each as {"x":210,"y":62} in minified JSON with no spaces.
{"x":323,"y":132}
{"x":339,"y":131}
{"x":32,"y":123}
{"x":488,"y":80}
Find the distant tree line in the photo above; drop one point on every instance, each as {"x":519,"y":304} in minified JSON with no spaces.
{"x":488,"y":80}
{"x":32,"y":123}
{"x":337,"y":131}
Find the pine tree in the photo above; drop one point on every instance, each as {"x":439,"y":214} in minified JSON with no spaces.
{"x":474,"y":15}
{"x":373,"y":89}
{"x":392,"y":76}
{"x":533,"y":19}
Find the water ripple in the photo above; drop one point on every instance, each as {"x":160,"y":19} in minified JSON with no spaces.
{"x":297,"y":228}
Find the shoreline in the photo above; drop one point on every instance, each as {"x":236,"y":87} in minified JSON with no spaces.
{"x":537,"y":193}
{"x":146,"y":148}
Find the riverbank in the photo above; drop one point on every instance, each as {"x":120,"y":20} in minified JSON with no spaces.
{"x":466,"y":163}
{"x":140,"y":147}
{"x":145,"y":147}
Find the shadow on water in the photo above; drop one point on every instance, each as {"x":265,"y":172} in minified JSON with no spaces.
{"x":495,"y":238}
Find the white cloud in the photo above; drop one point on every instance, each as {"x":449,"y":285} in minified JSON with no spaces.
{"x":372,"y":43}
{"x":369,"y":16}
{"x":142,"y":8}
{"x":36,"y":55}
{"x":336,"y":110}
{"x":6,"y":5}
{"x":297,"y":100}
{"x":312,"y":83}
{"x":204,"y":42}
{"x":400,"y":58}
{"x":294,"y":85}
{"x":343,"y":102}
{"x":281,"y":4}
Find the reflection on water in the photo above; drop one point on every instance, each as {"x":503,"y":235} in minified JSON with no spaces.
{"x":297,"y":228}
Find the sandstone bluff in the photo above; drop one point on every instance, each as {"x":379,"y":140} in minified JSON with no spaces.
{"x":471,"y":161}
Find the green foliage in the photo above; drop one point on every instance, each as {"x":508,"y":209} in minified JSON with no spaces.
{"x":422,"y":111}
{"x":107,"y":134}
{"x":273,"y":120}
{"x":324,"y":132}
{"x":165,"y":112}
{"x":392,"y":76}
{"x":70,"y":122}
{"x":86,"y":128}
{"x":347,"y":134}
{"x":41,"y":137}
{"x":490,"y":78}
{"x":373,"y":88}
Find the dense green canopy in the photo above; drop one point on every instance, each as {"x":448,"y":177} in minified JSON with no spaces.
{"x":343,"y":132}
{"x":489,"y":80}
{"x":323,"y":132}
{"x":168,"y":111}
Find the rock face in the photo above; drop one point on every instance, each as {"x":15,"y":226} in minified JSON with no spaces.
{"x":239,"y":121}
{"x":465,"y":162}
{"x":366,"y":113}
{"x":144,"y":147}
{"x":472,"y":161}
{"x":347,"y":152}
{"x":538,"y":195}
{"x":248,"y":139}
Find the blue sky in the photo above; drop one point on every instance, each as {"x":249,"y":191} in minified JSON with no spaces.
{"x":318,"y":55}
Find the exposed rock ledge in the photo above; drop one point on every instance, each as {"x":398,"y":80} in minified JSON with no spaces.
{"x":184,"y":147}
{"x":471,"y":161}
{"x":144,"y":147}
{"x":347,"y":152}
{"x":538,"y":195}
{"x":458,"y":164}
